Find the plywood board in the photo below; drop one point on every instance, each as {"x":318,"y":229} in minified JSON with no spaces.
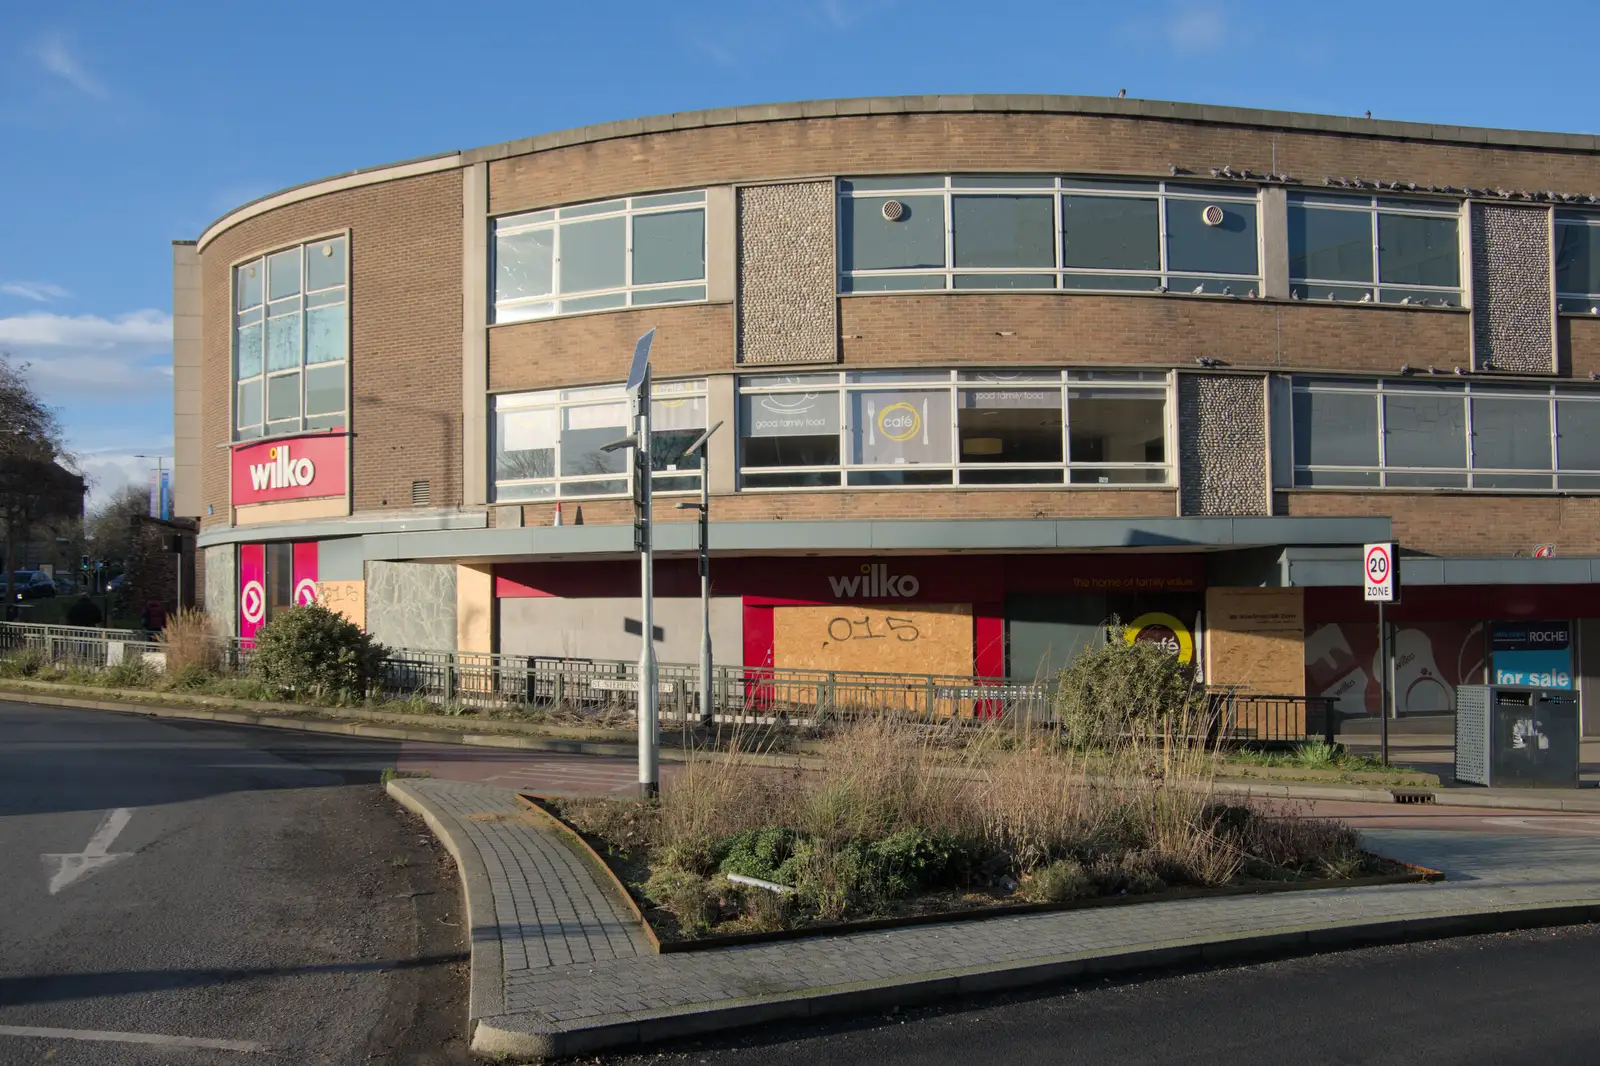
{"x":1255,"y":638}
{"x":925,"y":639}
{"x":347,"y":598}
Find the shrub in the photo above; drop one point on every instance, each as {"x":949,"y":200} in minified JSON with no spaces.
{"x":189,"y":642}
{"x":755,"y":852}
{"x":769,"y":912}
{"x":694,"y":901}
{"x":312,"y":651}
{"x":1119,"y":687}
{"x":131,"y":672}
{"x":26,"y":663}
{"x":1062,"y":880}
{"x":912,"y":860}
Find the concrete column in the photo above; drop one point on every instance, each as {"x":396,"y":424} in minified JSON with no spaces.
{"x":474,"y":335}
{"x":186,"y":442}
{"x":721,"y":243}
{"x":1274,"y":243}
{"x":722,"y":406}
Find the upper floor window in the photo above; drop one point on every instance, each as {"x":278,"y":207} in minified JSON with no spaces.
{"x":1366,"y":248}
{"x":593,"y":257}
{"x":1020,"y":232}
{"x":291,"y":340}
{"x":942,"y":427}
{"x":548,"y":444}
{"x":1577,"y":261}
{"x":1420,"y":434}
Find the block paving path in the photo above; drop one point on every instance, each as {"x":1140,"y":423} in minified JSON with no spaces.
{"x":560,"y":966}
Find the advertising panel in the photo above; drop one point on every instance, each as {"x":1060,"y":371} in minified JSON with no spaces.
{"x":1532,"y":654}
{"x":293,"y":468}
{"x":1431,"y":659}
{"x":305,"y":573}
{"x":252,"y":589}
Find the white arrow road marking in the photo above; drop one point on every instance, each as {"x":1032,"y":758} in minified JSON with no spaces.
{"x":130,"y":1038}
{"x":93,"y":858}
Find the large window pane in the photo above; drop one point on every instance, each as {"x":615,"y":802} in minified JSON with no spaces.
{"x":1110,"y":233}
{"x":789,"y":429}
{"x":283,"y":397}
{"x":283,"y":342}
{"x":1226,"y":248}
{"x":584,"y":431}
{"x":249,"y":352}
{"x":325,"y":390}
{"x":324,"y":264}
{"x":283,"y":272}
{"x":1335,"y":429}
{"x":1004,"y":231}
{"x":1116,"y":425}
{"x":247,"y":285}
{"x":1511,"y":434}
{"x":1424,"y":431}
{"x":891,"y":427}
{"x":669,"y":247}
{"x":1578,"y":423}
{"x":325,"y":334}
{"x":998,"y":425}
{"x":914,"y":239}
{"x":524,"y":264}
{"x":1578,"y":259}
{"x":1330,"y":245}
{"x":675,"y":423}
{"x":1418,"y":251}
{"x":247,"y":413}
{"x":593,"y":255}
{"x":525,"y":443}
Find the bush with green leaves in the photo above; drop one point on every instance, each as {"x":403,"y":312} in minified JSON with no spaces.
{"x":1121,"y":686}
{"x":311,"y":651}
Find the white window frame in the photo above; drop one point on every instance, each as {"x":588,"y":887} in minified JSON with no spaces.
{"x":1561,"y":480}
{"x":1214,"y":283}
{"x":1323,"y":290}
{"x":560,"y":400}
{"x":1586,"y":303}
{"x":341,"y":419}
{"x":552,"y":305}
{"x":847,"y":383}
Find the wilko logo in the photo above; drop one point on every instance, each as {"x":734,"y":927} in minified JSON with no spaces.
{"x":282,"y":471}
{"x":298,"y":468}
{"x":875,"y":583}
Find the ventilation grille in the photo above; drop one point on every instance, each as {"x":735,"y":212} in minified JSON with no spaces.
{"x":419,"y":493}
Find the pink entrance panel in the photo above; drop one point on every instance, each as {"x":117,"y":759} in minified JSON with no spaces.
{"x":252,"y":590}
{"x":305,"y":573}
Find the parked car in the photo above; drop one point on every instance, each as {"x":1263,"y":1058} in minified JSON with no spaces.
{"x":32,"y":584}
{"x":117,"y":584}
{"x":66,"y":584}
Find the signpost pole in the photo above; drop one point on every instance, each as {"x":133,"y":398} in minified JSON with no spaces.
{"x":649,"y":738}
{"x":1379,"y":577}
{"x":1383,"y":706}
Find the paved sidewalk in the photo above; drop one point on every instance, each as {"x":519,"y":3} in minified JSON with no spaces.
{"x":559,"y":967}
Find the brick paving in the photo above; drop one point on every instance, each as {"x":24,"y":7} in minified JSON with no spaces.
{"x":574,"y":959}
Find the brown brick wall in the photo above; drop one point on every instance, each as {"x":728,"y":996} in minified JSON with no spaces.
{"x":1477,"y":525}
{"x":916,"y":143}
{"x":886,"y":503}
{"x":596,"y":349}
{"x":1578,"y":347}
{"x":405,"y":334}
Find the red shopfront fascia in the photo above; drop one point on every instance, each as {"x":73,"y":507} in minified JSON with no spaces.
{"x":312,"y":466}
{"x":981,"y":580}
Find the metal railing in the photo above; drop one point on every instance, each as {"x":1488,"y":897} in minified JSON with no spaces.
{"x":604,"y":689}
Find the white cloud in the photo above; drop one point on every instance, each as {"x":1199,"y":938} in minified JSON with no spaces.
{"x":55,"y":57}
{"x":109,"y":471}
{"x":1197,"y":29}
{"x":37,"y":291}
{"x":90,"y":356}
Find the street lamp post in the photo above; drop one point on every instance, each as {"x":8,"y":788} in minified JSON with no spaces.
{"x":704,"y":507}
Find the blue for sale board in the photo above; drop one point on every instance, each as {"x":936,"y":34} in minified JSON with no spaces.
{"x":1532,"y":654}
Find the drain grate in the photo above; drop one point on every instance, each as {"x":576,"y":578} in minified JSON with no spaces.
{"x":1411,"y":795}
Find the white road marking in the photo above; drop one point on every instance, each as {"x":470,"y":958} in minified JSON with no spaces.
{"x":130,"y":1038}
{"x":1581,"y":826}
{"x":93,"y":858}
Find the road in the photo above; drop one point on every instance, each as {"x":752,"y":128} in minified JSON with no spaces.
{"x":220,"y":895}
{"x":1510,"y":999}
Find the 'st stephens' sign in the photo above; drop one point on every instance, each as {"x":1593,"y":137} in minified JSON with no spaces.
{"x":290,"y":468}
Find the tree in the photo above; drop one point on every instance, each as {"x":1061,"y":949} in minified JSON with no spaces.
{"x":34,"y":485}
{"x":121,"y":534}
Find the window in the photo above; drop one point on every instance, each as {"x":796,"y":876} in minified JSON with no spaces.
{"x":593,"y":257}
{"x":548,"y":445}
{"x":1421,"y":434}
{"x":938,"y":427}
{"x":1023,"y":232}
{"x":1365,"y":248}
{"x":291,"y":339}
{"x":1577,"y":261}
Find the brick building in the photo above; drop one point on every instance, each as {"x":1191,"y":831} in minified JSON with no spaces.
{"x":989,"y":369}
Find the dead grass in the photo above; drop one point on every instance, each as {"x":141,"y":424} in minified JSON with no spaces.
{"x":191,"y":644}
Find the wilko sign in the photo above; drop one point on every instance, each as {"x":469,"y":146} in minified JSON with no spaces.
{"x":295,"y":468}
{"x":874,"y":582}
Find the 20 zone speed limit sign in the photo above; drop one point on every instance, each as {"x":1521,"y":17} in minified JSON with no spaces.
{"x":1378,"y":571}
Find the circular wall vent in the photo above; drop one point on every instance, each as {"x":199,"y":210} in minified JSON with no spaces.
{"x":1212,"y":215}
{"x":894,"y":210}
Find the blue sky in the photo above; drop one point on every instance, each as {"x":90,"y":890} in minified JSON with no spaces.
{"x":125,"y":126}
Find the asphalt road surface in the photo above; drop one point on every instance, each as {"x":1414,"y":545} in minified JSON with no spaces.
{"x":1514,"y":999}
{"x":182,"y":892}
